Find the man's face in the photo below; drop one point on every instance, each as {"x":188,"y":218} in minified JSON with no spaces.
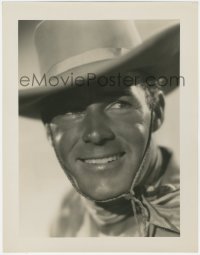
{"x":100,"y":137}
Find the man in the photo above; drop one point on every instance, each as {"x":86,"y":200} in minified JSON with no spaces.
{"x":103,"y":97}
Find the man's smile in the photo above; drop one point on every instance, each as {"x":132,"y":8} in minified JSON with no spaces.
{"x":102,"y":159}
{"x":102,"y":162}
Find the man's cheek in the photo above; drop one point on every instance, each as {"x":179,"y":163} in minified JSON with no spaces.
{"x":63,"y":146}
{"x":133,"y":133}
{"x":62,"y":141}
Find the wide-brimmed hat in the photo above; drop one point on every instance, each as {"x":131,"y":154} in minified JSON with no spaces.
{"x":80,"y":50}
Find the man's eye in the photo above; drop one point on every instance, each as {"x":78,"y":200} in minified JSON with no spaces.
{"x":120,"y":105}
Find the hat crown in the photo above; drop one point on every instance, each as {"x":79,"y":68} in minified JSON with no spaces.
{"x":57,"y":41}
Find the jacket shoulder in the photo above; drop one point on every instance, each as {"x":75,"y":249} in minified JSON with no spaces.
{"x":70,"y":216}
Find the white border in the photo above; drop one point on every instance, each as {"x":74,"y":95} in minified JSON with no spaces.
{"x":182,"y":94}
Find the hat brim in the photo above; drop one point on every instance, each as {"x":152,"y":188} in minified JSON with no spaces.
{"x":158,"y":57}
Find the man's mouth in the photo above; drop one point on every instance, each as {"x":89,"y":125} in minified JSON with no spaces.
{"x":102,"y":160}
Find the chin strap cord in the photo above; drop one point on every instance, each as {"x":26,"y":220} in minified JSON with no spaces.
{"x":135,"y":201}
{"x":131,"y":195}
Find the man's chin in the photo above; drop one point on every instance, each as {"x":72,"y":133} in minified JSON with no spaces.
{"x":103,"y":195}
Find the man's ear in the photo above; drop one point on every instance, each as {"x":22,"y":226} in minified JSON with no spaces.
{"x":158,"y":112}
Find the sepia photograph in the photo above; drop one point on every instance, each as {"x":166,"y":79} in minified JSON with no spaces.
{"x":101,"y":96}
{"x":103,"y":141}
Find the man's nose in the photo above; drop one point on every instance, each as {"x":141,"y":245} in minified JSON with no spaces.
{"x":97,"y":129}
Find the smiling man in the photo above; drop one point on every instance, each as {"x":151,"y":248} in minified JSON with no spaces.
{"x":101,"y":138}
{"x":124,"y":184}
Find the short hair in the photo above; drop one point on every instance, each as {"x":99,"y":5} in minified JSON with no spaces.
{"x":152,"y":95}
{"x":151,"y":87}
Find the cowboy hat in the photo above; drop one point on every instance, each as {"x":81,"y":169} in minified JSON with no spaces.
{"x":71,"y":49}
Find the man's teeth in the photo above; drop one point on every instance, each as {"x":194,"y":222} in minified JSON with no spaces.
{"x":102,"y":160}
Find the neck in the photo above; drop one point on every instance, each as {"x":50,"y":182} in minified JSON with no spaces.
{"x":117,"y":209}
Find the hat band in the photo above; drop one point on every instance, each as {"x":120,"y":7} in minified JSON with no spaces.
{"x":86,"y":58}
